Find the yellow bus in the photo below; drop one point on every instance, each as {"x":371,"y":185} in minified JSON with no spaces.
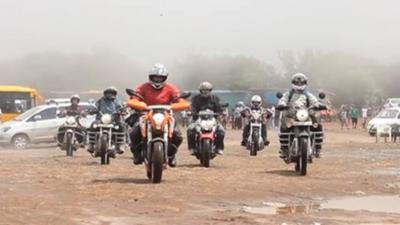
{"x":15,"y":100}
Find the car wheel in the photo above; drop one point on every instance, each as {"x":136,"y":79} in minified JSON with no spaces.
{"x":20,"y":141}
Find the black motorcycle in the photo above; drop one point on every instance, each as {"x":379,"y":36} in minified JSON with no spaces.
{"x":105,"y":136}
{"x":301,"y":140}
{"x":71,"y":135}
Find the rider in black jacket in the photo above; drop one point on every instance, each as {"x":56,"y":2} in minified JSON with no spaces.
{"x":205,"y":100}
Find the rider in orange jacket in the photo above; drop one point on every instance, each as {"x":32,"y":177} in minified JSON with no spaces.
{"x":156,"y":92}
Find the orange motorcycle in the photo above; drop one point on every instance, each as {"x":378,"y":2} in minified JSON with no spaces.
{"x":157,"y":127}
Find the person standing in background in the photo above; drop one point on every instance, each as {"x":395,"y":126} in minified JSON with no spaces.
{"x":364,"y":115}
{"x":343,"y":117}
{"x":354,"y":113}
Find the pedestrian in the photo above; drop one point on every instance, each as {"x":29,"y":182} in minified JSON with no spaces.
{"x":343,"y":117}
{"x":364,"y":115}
{"x":354,"y":113}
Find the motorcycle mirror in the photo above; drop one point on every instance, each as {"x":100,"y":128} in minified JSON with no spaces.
{"x":130,"y":92}
{"x":185,"y":95}
{"x":322,"y":95}
{"x":279,"y":95}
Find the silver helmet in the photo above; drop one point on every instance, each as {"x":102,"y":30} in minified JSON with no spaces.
{"x":299,"y":82}
{"x":158,"y":76}
{"x":110,"y":92}
{"x":205,"y":88}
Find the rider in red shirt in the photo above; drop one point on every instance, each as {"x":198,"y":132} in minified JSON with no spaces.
{"x":155,"y":92}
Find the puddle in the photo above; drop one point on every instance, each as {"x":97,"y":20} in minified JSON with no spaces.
{"x":375,"y":203}
{"x":281,"y":209}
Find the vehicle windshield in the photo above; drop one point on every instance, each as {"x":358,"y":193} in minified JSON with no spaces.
{"x":27,"y":114}
{"x":388,"y":114}
{"x":15,"y":102}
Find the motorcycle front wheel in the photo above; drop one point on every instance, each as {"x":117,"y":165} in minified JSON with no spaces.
{"x":104,"y":157}
{"x":205,"y":153}
{"x":303,"y":157}
{"x":157,"y":162}
{"x":255,"y":144}
{"x":68,"y":144}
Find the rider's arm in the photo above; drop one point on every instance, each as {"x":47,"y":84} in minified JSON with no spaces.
{"x":313,"y":100}
{"x":218,"y":108}
{"x":135,"y":102}
{"x":284,"y":101}
{"x":267,"y":113}
{"x":179,"y":104}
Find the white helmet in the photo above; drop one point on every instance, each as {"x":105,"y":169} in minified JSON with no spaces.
{"x":299,"y":82}
{"x":205,"y":88}
{"x":75,"y":97}
{"x":256,"y":101}
{"x":158,"y":75}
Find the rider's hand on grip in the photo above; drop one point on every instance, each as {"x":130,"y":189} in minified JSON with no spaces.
{"x":136,"y":104}
{"x":180,"y":105}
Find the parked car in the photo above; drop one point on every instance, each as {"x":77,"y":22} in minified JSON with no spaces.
{"x":392,"y":102}
{"x":37,"y":125}
{"x":389,"y":116}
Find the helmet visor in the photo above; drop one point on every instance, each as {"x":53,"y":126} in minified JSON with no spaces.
{"x":157,"y":78}
{"x":299,"y":82}
{"x":256,"y":103}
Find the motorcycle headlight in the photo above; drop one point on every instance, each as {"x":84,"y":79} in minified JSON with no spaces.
{"x":158,"y":120}
{"x":70,"y":120}
{"x":302,"y":115}
{"x":106,"y":119}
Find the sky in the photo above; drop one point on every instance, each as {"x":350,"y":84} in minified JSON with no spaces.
{"x":150,"y":31}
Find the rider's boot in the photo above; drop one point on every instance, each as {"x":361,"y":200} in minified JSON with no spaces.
{"x":137,"y":155}
{"x":118,"y":149}
{"x":172,"y":161}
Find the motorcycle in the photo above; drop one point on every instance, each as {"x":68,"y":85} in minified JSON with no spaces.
{"x":237,"y":122}
{"x":106,"y":137}
{"x":255,"y":141}
{"x":205,"y":137}
{"x":157,"y":127}
{"x":73,"y":134}
{"x":301,"y":140}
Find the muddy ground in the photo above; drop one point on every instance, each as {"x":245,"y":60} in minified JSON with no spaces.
{"x":43,"y":186}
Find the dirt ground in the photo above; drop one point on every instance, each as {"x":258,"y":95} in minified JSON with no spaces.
{"x":43,"y":186}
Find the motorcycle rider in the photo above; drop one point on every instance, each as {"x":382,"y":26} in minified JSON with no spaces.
{"x":202,"y":101}
{"x":297,"y":96}
{"x":255,"y":105}
{"x":73,"y":110}
{"x":156,"y":92}
{"x":237,"y":114}
{"x":109,"y":104}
